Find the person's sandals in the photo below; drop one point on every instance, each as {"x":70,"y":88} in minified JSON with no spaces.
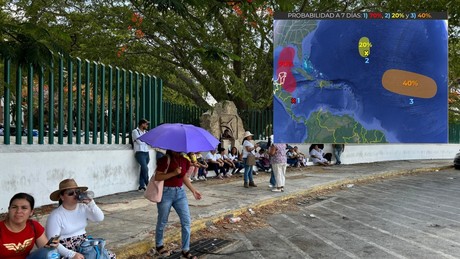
{"x":163,"y":252}
{"x":188,"y":255}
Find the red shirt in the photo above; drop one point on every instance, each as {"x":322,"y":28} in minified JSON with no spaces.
{"x":18,"y":245}
{"x":175,"y":161}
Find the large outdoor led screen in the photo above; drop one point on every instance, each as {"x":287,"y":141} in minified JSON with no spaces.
{"x":360,"y":78}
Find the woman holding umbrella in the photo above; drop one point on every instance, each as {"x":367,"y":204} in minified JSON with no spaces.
{"x":172,"y":169}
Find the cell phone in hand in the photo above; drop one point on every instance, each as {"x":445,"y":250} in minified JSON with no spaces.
{"x":53,"y":239}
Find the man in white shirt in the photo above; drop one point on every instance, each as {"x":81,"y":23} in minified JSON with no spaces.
{"x":215,"y":163}
{"x":141,"y":153}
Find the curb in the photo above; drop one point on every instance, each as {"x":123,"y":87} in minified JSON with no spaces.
{"x":143,"y":246}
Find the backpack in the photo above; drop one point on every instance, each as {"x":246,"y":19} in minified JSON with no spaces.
{"x":130,"y":138}
{"x":94,"y":248}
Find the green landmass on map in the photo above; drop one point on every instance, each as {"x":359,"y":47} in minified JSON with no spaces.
{"x":325,"y":127}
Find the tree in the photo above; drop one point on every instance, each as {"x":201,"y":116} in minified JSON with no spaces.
{"x":219,"y":47}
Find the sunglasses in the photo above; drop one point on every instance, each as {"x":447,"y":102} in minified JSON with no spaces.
{"x":70,"y":193}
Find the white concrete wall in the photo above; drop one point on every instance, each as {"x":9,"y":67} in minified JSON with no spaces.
{"x":39,"y":169}
{"x":360,"y":153}
{"x":109,"y":169}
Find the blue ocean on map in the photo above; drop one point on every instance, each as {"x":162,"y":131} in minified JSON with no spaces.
{"x":331,"y":76}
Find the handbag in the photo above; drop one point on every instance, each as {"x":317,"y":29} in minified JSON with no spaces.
{"x":154,"y":191}
{"x":94,"y":248}
{"x":251,"y":159}
{"x":44,"y":253}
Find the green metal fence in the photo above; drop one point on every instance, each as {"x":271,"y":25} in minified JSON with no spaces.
{"x":454,"y":133}
{"x":258,"y":122}
{"x":83,"y":102}
{"x":176,"y":113}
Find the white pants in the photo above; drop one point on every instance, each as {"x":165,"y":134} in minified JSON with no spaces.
{"x":279,"y":170}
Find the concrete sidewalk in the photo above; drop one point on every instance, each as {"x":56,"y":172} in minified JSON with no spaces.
{"x":130,"y":219}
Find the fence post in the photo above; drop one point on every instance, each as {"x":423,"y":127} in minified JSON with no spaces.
{"x":78,"y":122}
{"x":95,"y":102}
{"x":148,"y":105}
{"x":30,"y":93}
{"x":51,"y":103}
{"x":130,"y":102}
{"x":18,"y":121}
{"x":102,"y":108}
{"x":41,"y":110}
{"x":117,"y":106}
{"x":109,"y":108}
{"x":142,"y":97}
{"x":160,"y":102}
{"x":136,"y":99}
{"x":87,"y":94}
{"x":7,"y":102}
{"x":123,"y":107}
{"x":61,"y":101}
{"x":69,"y":101}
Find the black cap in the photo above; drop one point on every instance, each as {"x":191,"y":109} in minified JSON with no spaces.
{"x":142,"y":121}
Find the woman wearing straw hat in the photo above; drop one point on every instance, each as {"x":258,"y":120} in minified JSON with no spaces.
{"x":248,"y":150}
{"x":69,"y":220}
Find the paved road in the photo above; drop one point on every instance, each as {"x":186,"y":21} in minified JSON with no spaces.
{"x":408,"y":217}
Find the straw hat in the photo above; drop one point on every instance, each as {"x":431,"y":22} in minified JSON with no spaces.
{"x":65,"y":185}
{"x":247,"y":134}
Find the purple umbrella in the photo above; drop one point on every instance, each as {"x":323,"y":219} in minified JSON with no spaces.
{"x":180,"y":138}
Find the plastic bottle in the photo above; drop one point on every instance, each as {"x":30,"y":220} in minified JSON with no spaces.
{"x":88,"y":195}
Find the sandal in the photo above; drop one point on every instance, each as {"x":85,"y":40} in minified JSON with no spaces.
{"x":163,"y":252}
{"x":188,"y":255}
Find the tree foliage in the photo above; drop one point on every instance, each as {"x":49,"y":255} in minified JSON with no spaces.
{"x":197,"y":47}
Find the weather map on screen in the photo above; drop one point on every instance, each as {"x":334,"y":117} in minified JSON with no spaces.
{"x":360,"y":78}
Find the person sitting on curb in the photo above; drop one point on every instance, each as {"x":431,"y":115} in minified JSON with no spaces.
{"x":235,"y":156}
{"x":292,"y":157}
{"x":317,"y":155}
{"x":301,"y":157}
{"x":262,"y":162}
{"x":203,"y":166}
{"x":228,"y":163}
{"x":19,"y":234}
{"x":70,"y":219}
{"x":192,"y":174}
{"x":217,"y":165}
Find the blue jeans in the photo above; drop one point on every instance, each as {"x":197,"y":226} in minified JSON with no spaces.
{"x":337,"y":153}
{"x":292,"y":161}
{"x":143,"y":159}
{"x":173,"y":197}
{"x":247,"y":172}
{"x":272,"y":179}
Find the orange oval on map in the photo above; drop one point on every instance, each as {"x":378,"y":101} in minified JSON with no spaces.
{"x":409,"y":83}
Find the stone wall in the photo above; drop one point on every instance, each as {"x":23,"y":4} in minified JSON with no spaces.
{"x":223,"y":122}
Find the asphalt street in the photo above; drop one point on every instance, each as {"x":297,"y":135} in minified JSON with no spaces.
{"x":413,"y":216}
